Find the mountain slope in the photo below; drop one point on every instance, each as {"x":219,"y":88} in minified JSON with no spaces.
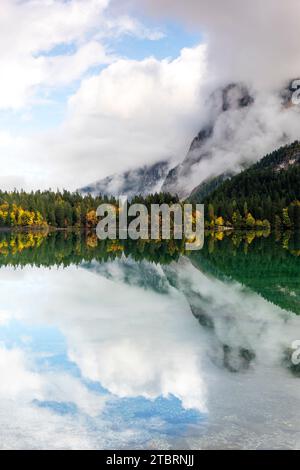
{"x":144,"y":180}
{"x":208,"y":186}
{"x":239,"y":126}
{"x":268,"y":176}
{"x":265,"y":190}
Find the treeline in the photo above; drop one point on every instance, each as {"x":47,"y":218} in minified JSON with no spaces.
{"x":267,"y":194}
{"x":61,"y":209}
{"x":156,"y":198}
{"x":57,"y":209}
{"x":244,"y":215}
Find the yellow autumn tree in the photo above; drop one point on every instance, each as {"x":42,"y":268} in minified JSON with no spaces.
{"x":219,"y":221}
{"x":91,"y":218}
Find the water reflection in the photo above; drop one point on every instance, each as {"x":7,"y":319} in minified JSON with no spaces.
{"x":115,"y":353}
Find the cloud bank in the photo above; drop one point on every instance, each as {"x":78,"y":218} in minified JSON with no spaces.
{"x":121,"y":113}
{"x":132,"y":113}
{"x":254,"y":42}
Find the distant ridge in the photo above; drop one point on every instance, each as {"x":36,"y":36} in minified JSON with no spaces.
{"x":143,"y":180}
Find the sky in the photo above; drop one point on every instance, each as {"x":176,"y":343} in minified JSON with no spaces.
{"x":93,"y":87}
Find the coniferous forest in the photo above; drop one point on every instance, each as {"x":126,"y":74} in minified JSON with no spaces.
{"x":61,"y":209}
{"x":265,"y":195}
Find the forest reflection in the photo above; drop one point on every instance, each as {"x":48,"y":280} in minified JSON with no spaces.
{"x":73,"y":247}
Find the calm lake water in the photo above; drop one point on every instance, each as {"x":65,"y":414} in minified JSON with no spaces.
{"x":104,"y":346}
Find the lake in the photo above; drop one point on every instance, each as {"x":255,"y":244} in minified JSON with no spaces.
{"x":110,"y":346}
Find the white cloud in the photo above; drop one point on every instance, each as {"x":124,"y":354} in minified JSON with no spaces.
{"x":133,"y":27}
{"x":45,"y":45}
{"x":62,"y":70}
{"x":25,"y":424}
{"x":115,"y":342}
{"x":253,"y":41}
{"x":31,"y":29}
{"x":132,"y":113}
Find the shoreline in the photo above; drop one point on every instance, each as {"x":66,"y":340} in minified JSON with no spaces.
{"x":50,"y":229}
{"x":46,"y":230}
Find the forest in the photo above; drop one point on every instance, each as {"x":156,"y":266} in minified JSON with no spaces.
{"x":48,"y":208}
{"x":265,"y":195}
{"x":61,"y":209}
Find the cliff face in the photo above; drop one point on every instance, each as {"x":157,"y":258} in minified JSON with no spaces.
{"x":228,"y":100}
